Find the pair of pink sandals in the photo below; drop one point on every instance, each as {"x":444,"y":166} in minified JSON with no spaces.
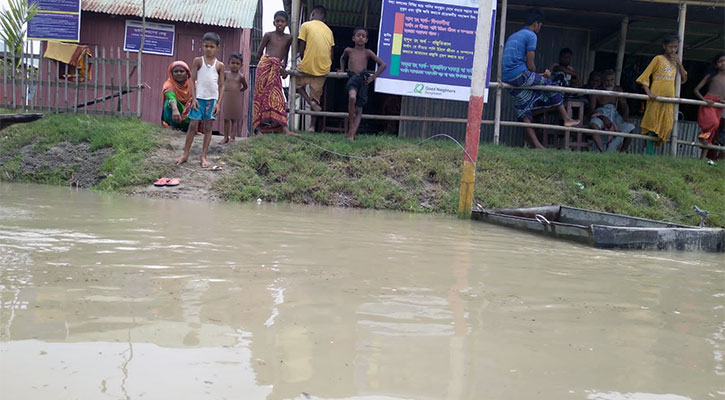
{"x":167,"y":182}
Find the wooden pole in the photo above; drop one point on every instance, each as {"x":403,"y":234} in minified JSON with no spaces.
{"x":475,"y":107}
{"x":499,"y":72}
{"x":622,"y":47}
{"x":678,"y":78}
{"x":293,"y":30}
{"x":138,"y":65}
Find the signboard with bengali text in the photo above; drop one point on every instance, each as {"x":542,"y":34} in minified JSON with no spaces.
{"x":428,"y":47}
{"x":56,"y":20}
{"x":159,"y":38}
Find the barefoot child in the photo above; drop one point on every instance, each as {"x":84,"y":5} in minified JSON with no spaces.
{"x":269,"y":107}
{"x":659,"y":117}
{"x":208,"y":73}
{"x":712,"y":119}
{"x":234,"y":84}
{"x":359,"y":77}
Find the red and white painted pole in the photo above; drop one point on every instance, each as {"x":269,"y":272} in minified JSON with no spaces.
{"x":475,"y":106}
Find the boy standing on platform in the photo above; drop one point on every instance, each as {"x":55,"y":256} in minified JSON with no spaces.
{"x":208,"y":73}
{"x":358,"y":77}
{"x":316,"y":48}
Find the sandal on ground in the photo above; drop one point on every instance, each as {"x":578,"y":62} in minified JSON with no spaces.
{"x":173,"y":182}
{"x":162,"y":182}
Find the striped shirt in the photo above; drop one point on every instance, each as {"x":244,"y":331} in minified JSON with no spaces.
{"x":514,"y":53}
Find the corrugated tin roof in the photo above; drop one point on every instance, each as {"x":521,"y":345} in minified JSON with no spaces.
{"x":226,"y":13}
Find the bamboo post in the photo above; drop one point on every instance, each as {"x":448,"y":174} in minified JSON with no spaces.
{"x":475,"y":108}
{"x":105,"y":82}
{"x":622,"y":47}
{"x":95,"y":75}
{"x":56,"y":85}
{"x":23,"y":71}
{"x":128,"y":84}
{"x":86,"y":69}
{"x":13,"y":71}
{"x":293,"y":30}
{"x":138,"y":65}
{"x":47,"y":81}
{"x":499,"y":72}
{"x":32,"y":89}
{"x":5,"y":75}
{"x":78,"y":85}
{"x":678,"y":78}
{"x":66,"y":87}
{"x":119,"y":108}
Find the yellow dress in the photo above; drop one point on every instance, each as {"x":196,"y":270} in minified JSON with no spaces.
{"x":659,"y":117}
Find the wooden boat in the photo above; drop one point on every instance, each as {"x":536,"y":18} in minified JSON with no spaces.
{"x":605,"y":230}
{"x":10,"y":119}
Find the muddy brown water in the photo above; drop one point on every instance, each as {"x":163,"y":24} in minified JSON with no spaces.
{"x":107,"y":296}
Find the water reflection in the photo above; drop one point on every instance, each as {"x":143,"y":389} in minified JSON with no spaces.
{"x":136,"y":298}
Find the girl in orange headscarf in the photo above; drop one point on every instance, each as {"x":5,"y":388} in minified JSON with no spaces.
{"x":177,"y":97}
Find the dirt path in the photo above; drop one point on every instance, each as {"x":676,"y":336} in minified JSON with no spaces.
{"x":196,"y":182}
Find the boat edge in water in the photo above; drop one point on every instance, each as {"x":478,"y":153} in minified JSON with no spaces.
{"x":606,"y":230}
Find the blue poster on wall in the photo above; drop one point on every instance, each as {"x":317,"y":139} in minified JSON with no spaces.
{"x":428,"y":47}
{"x":56,"y":20}
{"x":159,"y":38}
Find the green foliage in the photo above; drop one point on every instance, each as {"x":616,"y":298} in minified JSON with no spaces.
{"x":12,"y":22}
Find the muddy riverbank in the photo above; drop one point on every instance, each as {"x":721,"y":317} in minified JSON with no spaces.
{"x":381,"y":172}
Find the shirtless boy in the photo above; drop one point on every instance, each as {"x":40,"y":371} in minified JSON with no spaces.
{"x":605,"y":115}
{"x":269,"y":108}
{"x":359,"y":78}
{"x":712,"y":119}
{"x":208,"y":73}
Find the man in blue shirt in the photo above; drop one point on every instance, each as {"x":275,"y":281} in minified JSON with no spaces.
{"x":519,"y":70}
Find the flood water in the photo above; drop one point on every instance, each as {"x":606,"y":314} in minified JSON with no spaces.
{"x":106,"y":296}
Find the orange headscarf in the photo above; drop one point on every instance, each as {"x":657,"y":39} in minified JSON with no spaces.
{"x":183,"y":93}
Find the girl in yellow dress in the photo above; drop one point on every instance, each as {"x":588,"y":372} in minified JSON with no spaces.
{"x":659,"y":117}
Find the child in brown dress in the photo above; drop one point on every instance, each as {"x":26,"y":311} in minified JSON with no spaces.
{"x":234,"y":85}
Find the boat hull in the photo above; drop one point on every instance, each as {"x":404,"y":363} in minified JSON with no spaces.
{"x":605,"y":230}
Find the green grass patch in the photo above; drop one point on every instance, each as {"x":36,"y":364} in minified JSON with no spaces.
{"x":131,"y":141}
{"x":425,"y":178}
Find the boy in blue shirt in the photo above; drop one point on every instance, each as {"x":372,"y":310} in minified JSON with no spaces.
{"x":518,"y":69}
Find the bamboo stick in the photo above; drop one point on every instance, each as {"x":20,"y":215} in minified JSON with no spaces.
{"x":66,"y":87}
{"x":678,"y":79}
{"x":95,"y":75}
{"x":23,"y":71}
{"x":5,"y":76}
{"x":47,"y":80}
{"x":103,"y":57}
{"x":57,"y":86}
{"x":128,"y":79}
{"x":119,"y":107}
{"x":499,"y":71}
{"x":13,"y":70}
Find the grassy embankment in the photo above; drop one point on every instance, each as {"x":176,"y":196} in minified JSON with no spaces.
{"x":412,"y":178}
{"x":130,"y":139}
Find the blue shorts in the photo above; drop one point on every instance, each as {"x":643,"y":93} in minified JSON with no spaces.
{"x":204,"y":110}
